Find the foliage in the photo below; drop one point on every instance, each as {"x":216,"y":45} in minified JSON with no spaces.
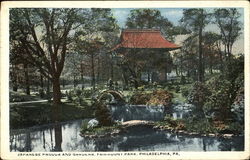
{"x":140,"y":98}
{"x":238,"y":106}
{"x":185,"y":90}
{"x":158,"y":97}
{"x":196,"y":19}
{"x":220,"y":94}
{"x":150,"y":18}
{"x":228,"y":22}
{"x":200,"y":126}
{"x":198,"y":94}
{"x":102,"y":114}
{"x":79,"y":96}
{"x":22,"y":97}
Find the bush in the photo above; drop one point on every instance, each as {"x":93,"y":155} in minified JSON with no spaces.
{"x":78,"y":96}
{"x":219,"y":99}
{"x":102,"y":114}
{"x":84,"y":126}
{"x":140,"y":98}
{"x":200,"y":126}
{"x":158,"y":97}
{"x":185,"y":91}
{"x":199,"y":94}
{"x":237,"y":107}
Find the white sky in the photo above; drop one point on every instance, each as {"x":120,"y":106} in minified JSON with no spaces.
{"x":174,"y":15}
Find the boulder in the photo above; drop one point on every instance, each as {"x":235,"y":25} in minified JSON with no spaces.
{"x":92,"y":123}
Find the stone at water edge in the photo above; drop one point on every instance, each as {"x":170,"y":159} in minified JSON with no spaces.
{"x":92,"y":123}
{"x":135,"y":123}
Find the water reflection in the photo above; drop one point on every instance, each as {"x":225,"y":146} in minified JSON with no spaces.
{"x":65,"y":137}
{"x":135,"y":112}
{"x":58,"y":137}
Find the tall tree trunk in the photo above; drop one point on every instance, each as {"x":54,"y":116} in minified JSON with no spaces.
{"x":82,"y":79}
{"x":98,"y":70}
{"x":48,"y":87}
{"x":111,"y":69}
{"x":200,"y":63}
{"x":181,"y":67}
{"x":41,"y":81}
{"x":26,"y":75}
{"x":15,"y":84}
{"x":176,"y":71}
{"x":56,"y":99}
{"x":165,"y":74}
{"x":93,"y":71}
{"x":211,"y":65}
{"x":148,"y":76}
{"x":74,"y":81}
{"x":221,"y":60}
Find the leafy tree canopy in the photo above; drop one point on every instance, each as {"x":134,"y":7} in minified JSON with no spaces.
{"x":152,"y":19}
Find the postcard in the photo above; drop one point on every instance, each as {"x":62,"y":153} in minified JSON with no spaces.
{"x":125,"y":80}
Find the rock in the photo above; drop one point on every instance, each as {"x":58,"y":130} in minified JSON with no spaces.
{"x":227,"y":135}
{"x":136,"y":123}
{"x":181,"y":131}
{"x":211,"y":135}
{"x":92,"y":123}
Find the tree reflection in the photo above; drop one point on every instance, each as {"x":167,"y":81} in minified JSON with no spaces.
{"x":58,"y":137}
{"x":27,"y":142}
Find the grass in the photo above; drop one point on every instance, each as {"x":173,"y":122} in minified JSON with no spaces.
{"x":100,"y":130}
{"x":25,"y":115}
{"x":22,"y":97}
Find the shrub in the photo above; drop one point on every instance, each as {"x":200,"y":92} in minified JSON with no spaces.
{"x":200,"y":126}
{"x":140,"y":98}
{"x":220,"y":94}
{"x":84,"y":126}
{"x":237,"y":107}
{"x":87,"y":93}
{"x":198,"y":94}
{"x":160,"y":97}
{"x":185,"y":91}
{"x":102,"y":114}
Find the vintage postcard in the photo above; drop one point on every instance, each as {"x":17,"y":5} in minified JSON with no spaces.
{"x":125,"y":80}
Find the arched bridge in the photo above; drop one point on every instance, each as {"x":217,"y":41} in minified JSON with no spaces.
{"x":113,"y":94}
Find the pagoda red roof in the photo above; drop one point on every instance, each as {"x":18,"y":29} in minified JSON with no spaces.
{"x":132,"y":38}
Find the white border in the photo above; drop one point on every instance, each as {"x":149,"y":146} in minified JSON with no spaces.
{"x":4,"y":66}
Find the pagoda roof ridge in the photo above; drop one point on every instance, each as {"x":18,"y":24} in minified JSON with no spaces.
{"x":141,"y":30}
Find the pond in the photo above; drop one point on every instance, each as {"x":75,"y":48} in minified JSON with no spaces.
{"x":65,"y":137}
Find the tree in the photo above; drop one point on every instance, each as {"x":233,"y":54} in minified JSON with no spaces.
{"x":195,"y":20}
{"x":188,"y":57}
{"x":228,"y":22}
{"x":45,"y":35}
{"x":93,"y":37}
{"x":213,"y":57}
{"x":150,"y":19}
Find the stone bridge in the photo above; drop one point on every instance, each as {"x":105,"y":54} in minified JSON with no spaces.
{"x":116,"y":95}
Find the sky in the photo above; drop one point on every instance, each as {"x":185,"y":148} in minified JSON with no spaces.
{"x":174,"y":15}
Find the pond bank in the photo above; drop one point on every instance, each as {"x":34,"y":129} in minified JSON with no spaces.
{"x":124,"y":127}
{"x":65,"y":137}
{"x":32,"y":114}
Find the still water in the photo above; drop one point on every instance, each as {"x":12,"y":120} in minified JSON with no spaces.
{"x":65,"y":137}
